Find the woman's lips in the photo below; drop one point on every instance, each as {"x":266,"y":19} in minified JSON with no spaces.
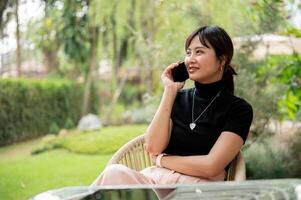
{"x":192,"y":69}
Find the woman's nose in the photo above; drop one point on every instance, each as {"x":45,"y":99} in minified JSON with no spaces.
{"x":191,"y":58}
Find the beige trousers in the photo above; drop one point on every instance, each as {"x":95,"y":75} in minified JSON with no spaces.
{"x":117,"y":174}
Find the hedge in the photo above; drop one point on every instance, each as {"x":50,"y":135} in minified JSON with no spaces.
{"x":30,"y":108}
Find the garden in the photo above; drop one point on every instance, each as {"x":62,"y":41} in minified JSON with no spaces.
{"x":105,"y":58}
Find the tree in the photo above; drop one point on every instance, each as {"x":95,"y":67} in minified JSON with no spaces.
{"x":270,"y":15}
{"x":18,"y":50}
{"x":6,"y":12}
{"x":79,"y":37}
{"x":44,"y":33}
{"x":10,"y":8}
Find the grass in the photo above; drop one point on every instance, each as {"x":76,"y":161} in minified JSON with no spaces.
{"x":78,"y":161}
{"x":105,"y":141}
{"x":26,"y":176}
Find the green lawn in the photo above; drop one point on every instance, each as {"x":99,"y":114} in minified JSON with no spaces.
{"x":23,"y":175}
{"x":105,"y":141}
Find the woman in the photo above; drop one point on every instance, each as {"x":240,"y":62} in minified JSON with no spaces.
{"x":195,"y":132}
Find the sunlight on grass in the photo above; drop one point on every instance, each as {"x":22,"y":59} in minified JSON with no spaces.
{"x":23,"y":175}
{"x":105,"y":141}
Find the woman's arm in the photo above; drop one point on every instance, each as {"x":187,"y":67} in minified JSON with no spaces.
{"x":222,"y":153}
{"x":158,"y":132}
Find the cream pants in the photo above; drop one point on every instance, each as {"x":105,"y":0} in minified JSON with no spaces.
{"x":117,"y":174}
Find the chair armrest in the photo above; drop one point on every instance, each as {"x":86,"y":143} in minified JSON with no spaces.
{"x":240,"y":171}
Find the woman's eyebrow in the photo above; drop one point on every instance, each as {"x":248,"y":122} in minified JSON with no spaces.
{"x":199,"y":47}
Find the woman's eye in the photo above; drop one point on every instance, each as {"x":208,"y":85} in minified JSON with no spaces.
{"x":188,"y":53}
{"x":199,"y":52}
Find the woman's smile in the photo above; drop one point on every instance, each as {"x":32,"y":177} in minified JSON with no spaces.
{"x":192,"y":68}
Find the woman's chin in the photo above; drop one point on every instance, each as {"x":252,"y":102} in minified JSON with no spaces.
{"x":193,"y":77}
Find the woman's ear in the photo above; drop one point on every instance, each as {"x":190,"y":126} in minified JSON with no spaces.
{"x":222,"y":60}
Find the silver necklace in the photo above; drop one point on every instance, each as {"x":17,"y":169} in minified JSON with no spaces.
{"x":192,"y":125}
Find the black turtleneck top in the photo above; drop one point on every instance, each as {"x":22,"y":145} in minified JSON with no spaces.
{"x":226,"y":113}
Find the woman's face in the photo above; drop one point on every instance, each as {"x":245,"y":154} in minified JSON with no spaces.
{"x":201,"y":62}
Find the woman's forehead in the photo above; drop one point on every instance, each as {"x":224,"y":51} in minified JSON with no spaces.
{"x":196,"y":43}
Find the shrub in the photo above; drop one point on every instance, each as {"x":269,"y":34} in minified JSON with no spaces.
{"x":30,"y":108}
{"x":271,"y":158}
{"x":295,"y":153}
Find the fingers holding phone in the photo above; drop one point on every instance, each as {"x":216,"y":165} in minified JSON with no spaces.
{"x":168,"y":78}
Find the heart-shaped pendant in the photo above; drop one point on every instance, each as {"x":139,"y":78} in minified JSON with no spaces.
{"x":192,"y":125}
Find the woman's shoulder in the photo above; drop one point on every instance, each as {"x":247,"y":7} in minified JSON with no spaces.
{"x":239,"y":103}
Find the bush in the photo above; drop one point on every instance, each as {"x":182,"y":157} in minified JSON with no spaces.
{"x":145,"y":112}
{"x":295,"y":153}
{"x":30,"y":108}
{"x":285,"y":70}
{"x":273,"y":158}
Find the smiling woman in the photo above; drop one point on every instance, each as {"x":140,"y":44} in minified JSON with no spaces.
{"x":195,"y":132}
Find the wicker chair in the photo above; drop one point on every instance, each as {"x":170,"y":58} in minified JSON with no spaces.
{"x":133,"y":155}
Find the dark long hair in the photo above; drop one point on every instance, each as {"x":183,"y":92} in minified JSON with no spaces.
{"x":222,"y":44}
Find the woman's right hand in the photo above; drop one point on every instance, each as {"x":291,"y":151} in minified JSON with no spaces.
{"x":167,"y":78}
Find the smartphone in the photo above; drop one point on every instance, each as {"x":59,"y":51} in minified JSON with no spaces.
{"x":180,"y":73}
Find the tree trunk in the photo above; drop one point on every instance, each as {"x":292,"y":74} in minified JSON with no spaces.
{"x":115,"y":98}
{"x":115,"y":49}
{"x":18,"y":56}
{"x":122,"y":53}
{"x":93,"y":63}
{"x":124,"y":43}
{"x":3,"y":5}
{"x":148,"y":28}
{"x":51,"y":60}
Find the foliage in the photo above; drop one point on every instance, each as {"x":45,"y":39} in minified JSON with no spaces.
{"x":270,"y":15}
{"x":284,"y":70}
{"x":43,"y":32}
{"x":132,"y":92}
{"x":116,"y":116}
{"x":262,"y":96}
{"x":294,"y":146}
{"x":6,"y":11}
{"x":293,"y":32}
{"x":74,"y":34}
{"x":145,"y":112}
{"x":95,"y":142}
{"x":268,"y":85}
{"x":30,"y":107}
{"x":264,"y":161}
{"x":130,"y":35}
{"x":274,"y":157}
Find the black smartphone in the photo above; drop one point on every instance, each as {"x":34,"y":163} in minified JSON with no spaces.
{"x":180,"y":73}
